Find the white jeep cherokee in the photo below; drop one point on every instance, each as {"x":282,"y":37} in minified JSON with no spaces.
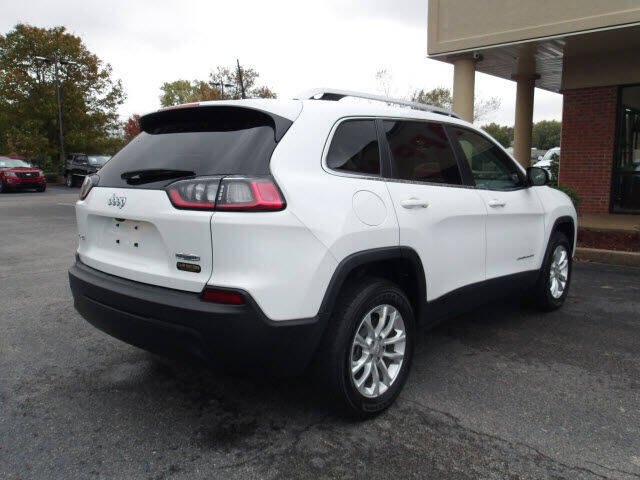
{"x":276,"y":235}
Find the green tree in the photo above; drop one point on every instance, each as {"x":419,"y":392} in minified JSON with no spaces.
{"x":441,"y":97}
{"x":502,"y":133}
{"x":184,"y":91}
{"x":216,"y":88}
{"x":28,"y":107}
{"x":546,"y":134}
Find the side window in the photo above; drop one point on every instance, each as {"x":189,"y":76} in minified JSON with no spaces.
{"x":490,"y":167}
{"x":421,"y":151}
{"x":354,"y":148}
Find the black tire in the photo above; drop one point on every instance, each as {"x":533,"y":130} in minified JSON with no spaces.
{"x":41,"y":188}
{"x":68,"y":180}
{"x":333,"y":360}
{"x":3,"y":188}
{"x":541,"y":296}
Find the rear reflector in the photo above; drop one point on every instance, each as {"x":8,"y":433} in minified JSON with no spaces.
{"x":223,"y":296}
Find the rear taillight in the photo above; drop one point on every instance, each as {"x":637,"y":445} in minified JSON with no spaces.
{"x":228,"y":193}
{"x":223,"y":296}
{"x":243,"y":193}
{"x":196,"y":193}
{"x":90,"y":181}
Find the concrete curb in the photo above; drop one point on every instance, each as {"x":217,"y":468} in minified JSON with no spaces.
{"x":611,"y":257}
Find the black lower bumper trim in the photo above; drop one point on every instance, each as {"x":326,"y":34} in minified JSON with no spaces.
{"x":180,"y":324}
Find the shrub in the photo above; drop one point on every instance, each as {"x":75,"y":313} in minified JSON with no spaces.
{"x":573,"y":195}
{"x":554,"y":167}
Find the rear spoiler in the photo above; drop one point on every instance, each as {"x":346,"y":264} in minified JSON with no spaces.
{"x":210,"y":118}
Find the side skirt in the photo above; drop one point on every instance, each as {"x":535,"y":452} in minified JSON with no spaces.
{"x":469,"y":297}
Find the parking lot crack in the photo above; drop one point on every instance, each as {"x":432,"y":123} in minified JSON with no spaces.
{"x":499,"y":439}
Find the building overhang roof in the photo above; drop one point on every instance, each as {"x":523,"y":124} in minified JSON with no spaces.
{"x":549,"y":53}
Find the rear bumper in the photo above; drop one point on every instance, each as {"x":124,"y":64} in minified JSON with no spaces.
{"x":180,"y":324}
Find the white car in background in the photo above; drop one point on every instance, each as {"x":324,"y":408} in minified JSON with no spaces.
{"x":545,"y":161}
{"x":271,"y":235}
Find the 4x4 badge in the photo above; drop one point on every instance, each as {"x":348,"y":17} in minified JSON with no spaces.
{"x":115,"y":201}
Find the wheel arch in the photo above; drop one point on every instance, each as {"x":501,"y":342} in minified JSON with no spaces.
{"x":402,"y":265}
{"x":566,"y":225}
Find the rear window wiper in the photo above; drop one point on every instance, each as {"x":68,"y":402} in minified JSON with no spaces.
{"x":136,"y":177}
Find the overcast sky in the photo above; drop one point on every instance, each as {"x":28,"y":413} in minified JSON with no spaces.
{"x":294,"y":45}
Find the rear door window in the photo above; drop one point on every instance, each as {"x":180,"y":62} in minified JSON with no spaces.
{"x":198,"y":141}
{"x":421,"y":151}
{"x":354,"y":148}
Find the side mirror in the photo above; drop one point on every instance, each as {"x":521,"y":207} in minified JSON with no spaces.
{"x":540,"y":157}
{"x":537,"y":176}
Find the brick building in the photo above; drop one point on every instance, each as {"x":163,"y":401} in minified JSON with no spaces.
{"x":588,"y":50}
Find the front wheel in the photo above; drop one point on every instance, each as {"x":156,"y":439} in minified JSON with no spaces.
{"x":553,"y":284}
{"x":68,"y":180}
{"x":41,"y":188}
{"x":366,"y":353}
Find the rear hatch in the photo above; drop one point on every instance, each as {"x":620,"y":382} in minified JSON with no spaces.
{"x":128,"y":225}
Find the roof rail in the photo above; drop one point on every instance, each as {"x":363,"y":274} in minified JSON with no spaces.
{"x":333,"y":94}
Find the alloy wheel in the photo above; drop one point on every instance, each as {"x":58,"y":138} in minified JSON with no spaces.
{"x":558,"y":271}
{"x":377,"y":350}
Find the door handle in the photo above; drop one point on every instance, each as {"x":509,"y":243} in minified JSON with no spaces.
{"x":497,"y":203}
{"x":414,"y":203}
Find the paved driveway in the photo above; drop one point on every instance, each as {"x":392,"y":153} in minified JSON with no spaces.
{"x":499,"y":393}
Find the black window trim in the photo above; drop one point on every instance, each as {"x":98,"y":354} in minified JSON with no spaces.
{"x":464,"y":165}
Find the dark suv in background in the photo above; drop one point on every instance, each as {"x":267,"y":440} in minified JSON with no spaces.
{"x":78,"y":165}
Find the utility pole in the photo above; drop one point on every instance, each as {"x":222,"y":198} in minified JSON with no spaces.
{"x":240,"y":79}
{"x":62,"y":157}
{"x":56,"y":68}
{"x":222,"y":85}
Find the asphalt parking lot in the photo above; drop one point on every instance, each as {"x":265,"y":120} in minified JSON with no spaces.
{"x":500,"y":393}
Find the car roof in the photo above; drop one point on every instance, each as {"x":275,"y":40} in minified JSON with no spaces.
{"x":291,"y":109}
{"x":355,"y":107}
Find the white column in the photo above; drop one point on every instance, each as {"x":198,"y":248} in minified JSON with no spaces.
{"x":464,"y":72}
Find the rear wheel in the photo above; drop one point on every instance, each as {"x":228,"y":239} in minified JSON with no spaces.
{"x":3,"y":188}
{"x":553,"y":284}
{"x":68,"y":180}
{"x":366,"y":353}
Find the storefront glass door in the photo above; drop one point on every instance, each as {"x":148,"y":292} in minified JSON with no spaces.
{"x":626,"y":165}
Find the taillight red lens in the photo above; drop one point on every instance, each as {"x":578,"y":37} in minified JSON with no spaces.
{"x":194,"y":193}
{"x":228,"y":193}
{"x":239,"y":193}
{"x":223,"y":296}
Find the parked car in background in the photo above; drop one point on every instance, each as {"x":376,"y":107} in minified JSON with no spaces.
{"x":79,"y":165}
{"x":544,"y":161}
{"x":17,"y":173}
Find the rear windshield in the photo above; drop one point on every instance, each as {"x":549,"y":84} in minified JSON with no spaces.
{"x":197,"y":141}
